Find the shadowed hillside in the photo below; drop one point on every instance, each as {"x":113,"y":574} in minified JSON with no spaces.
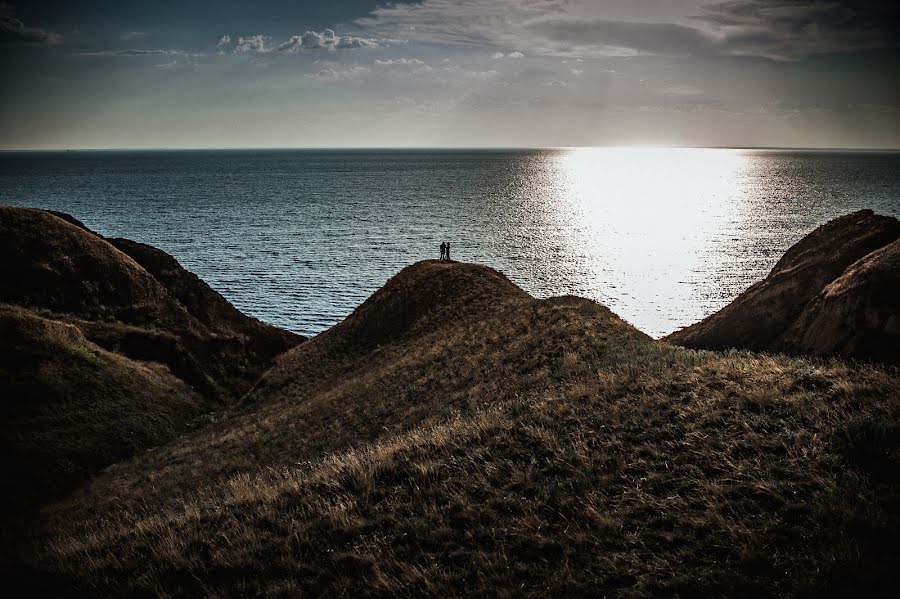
{"x":788,"y":310}
{"x":140,"y":301}
{"x":105,"y":354}
{"x":70,"y":407}
{"x":456,"y":436}
{"x":858,"y":314}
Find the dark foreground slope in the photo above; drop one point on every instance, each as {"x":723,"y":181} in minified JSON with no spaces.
{"x":70,"y":407}
{"x":786,"y":310}
{"x":455,"y":436}
{"x":105,"y":353}
{"x":857,"y":315}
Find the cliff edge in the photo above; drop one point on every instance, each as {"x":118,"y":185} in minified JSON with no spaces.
{"x":788,"y":311}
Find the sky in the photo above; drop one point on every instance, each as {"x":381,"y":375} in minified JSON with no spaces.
{"x":449,"y":73}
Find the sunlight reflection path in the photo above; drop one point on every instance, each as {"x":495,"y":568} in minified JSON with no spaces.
{"x":647,"y":219}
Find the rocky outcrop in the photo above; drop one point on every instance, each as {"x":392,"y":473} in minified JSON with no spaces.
{"x":773,"y":314}
{"x":857,"y":315}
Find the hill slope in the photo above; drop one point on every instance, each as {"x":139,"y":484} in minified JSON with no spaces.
{"x":105,"y":354}
{"x":70,"y":408}
{"x":137,"y":297}
{"x":767,"y":317}
{"x":858,"y":314}
{"x":454,"y":436}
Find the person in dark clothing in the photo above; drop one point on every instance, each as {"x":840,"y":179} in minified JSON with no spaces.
{"x":443,"y":250}
{"x":447,"y":249}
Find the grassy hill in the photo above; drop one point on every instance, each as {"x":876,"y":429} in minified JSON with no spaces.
{"x":106,"y":352}
{"x":452,"y":436}
{"x":71,"y":407}
{"x":858,"y":314}
{"x":133,"y":299}
{"x":455,"y":436}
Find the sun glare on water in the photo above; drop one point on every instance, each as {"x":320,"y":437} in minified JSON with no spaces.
{"x":646,"y":217}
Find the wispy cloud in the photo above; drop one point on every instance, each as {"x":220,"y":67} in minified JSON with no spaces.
{"x":133,"y":35}
{"x":326,"y":40}
{"x":469,"y":22}
{"x":779,"y":30}
{"x":352,"y":75}
{"x":406,"y":62}
{"x":14,"y":31}
{"x":135,"y":52}
{"x":793,"y":29}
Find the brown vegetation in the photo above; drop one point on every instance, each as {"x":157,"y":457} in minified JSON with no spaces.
{"x":456,"y":436}
{"x":489,"y":442}
{"x":104,"y":355}
{"x":760,"y":318}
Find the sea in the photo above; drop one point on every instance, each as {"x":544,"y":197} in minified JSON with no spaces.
{"x":299,"y":238}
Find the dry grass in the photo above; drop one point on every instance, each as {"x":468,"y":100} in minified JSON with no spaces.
{"x":494,"y":444}
{"x":70,"y":408}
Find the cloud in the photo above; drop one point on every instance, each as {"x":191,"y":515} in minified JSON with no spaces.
{"x":478,"y":75}
{"x":134,"y":52}
{"x":794,"y":29}
{"x":326,"y":40}
{"x":353,"y":75}
{"x":403,"y":67}
{"x":468,"y":22}
{"x":774,"y":29}
{"x":14,"y":31}
{"x":499,"y":55}
{"x":252,"y":43}
{"x":133,"y":35}
{"x":412,"y":62}
{"x":547,"y":27}
{"x":682,"y":90}
{"x":623,"y":37}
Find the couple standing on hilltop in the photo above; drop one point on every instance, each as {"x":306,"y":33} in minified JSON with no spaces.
{"x":445,"y":250}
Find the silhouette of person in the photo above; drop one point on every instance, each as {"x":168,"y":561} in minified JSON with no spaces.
{"x":443,"y":250}
{"x":447,"y":249}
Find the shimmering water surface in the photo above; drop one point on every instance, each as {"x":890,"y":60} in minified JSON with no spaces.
{"x":663,"y":237}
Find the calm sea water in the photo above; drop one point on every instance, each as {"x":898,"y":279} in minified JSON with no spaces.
{"x":663,"y":237}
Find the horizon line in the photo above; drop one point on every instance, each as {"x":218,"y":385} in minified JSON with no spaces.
{"x":439,"y":148}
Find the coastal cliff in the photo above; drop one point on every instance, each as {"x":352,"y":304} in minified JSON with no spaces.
{"x":455,"y":435}
{"x":830,"y":294}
